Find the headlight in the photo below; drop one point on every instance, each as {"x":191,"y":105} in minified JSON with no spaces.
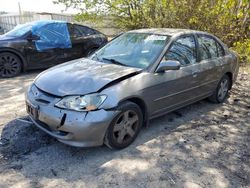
{"x":82,"y":103}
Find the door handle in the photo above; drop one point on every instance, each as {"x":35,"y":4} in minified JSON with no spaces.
{"x":195,"y":73}
{"x":30,"y":47}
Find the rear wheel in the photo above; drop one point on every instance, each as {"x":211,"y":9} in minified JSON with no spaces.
{"x":10,"y":65}
{"x":125,"y":126}
{"x":221,"y":91}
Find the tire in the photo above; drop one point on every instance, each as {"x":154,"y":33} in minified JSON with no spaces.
{"x":221,"y":91}
{"x":10,"y":65}
{"x":125,"y":127}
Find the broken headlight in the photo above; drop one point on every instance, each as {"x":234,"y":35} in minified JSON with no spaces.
{"x":82,"y":103}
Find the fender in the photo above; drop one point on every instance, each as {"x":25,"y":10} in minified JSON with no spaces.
{"x":119,"y":80}
{"x":19,"y":54}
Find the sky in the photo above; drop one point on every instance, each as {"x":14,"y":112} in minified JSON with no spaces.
{"x":33,"y":6}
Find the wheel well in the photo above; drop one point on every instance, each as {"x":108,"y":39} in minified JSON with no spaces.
{"x":18,"y":55}
{"x":142,"y":106}
{"x":230,"y":75}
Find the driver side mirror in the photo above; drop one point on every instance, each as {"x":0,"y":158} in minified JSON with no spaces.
{"x":168,"y":65}
{"x":33,"y":37}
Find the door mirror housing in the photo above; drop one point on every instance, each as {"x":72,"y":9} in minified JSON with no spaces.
{"x":33,"y":37}
{"x":168,"y":65}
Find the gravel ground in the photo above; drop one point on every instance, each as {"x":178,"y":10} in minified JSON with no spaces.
{"x":201,"y":145}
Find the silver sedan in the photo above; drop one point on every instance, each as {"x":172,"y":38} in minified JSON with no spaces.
{"x":139,"y":75}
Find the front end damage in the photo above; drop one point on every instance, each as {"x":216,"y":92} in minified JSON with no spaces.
{"x":81,"y":129}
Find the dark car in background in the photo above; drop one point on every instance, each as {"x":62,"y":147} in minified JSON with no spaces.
{"x":1,"y":30}
{"x":43,"y":44}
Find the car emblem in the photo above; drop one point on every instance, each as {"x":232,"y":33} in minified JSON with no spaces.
{"x":35,"y":92}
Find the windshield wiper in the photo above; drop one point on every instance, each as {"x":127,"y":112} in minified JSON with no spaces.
{"x":114,"y":61}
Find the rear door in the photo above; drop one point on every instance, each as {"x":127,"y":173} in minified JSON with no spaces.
{"x":82,"y":39}
{"x":77,"y":40}
{"x":211,"y":60}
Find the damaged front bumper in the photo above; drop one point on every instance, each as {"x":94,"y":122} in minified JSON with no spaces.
{"x":81,"y":129}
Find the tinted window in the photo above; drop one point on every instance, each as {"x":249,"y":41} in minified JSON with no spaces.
{"x":74,"y":31}
{"x":209,"y":48}
{"x":79,"y":31}
{"x":183,"y":50}
{"x":87,"y":30}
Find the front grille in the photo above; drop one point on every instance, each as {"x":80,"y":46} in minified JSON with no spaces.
{"x":41,"y":96}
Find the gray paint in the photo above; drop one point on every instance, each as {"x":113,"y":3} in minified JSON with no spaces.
{"x":160,"y":92}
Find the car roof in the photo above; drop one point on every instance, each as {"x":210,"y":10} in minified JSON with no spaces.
{"x":44,"y":22}
{"x":167,"y":31}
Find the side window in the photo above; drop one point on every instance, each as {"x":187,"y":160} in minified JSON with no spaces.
{"x":87,"y":30}
{"x":183,"y":50}
{"x":50,"y":33}
{"x":208,"y":48}
{"x":79,"y":31}
{"x":74,"y":31}
{"x":221,"y":51}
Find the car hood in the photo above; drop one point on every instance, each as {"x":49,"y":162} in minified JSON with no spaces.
{"x":81,"y":77}
{"x":6,"y":38}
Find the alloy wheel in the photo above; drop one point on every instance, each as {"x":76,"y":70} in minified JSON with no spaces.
{"x":126,"y":126}
{"x":9,"y":65}
{"x":223,"y":89}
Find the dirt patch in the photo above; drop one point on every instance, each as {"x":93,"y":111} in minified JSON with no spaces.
{"x":12,"y":103}
{"x":20,"y":137}
{"x":201,"y":145}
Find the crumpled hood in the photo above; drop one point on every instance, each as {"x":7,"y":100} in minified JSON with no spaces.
{"x":79,"y":77}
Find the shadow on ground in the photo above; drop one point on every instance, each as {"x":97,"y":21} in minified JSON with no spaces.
{"x":202,"y":145}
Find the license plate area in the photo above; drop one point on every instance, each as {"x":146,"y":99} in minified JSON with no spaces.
{"x":32,"y":110}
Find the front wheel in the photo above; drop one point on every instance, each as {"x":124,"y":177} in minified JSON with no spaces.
{"x":221,"y":91}
{"x":125,"y":126}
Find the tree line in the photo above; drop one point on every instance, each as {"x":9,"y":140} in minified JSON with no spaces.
{"x":227,"y":19}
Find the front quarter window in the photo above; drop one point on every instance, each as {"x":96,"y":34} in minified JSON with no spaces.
{"x":133,"y":49}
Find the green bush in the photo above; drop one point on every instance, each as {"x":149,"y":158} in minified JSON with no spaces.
{"x":243,"y":49}
{"x":227,"y":19}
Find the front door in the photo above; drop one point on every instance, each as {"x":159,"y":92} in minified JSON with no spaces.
{"x":48,"y":47}
{"x":44,"y":58}
{"x":174,"y":88}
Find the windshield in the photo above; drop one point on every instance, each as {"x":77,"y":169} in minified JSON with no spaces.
{"x":132,"y":49}
{"x":19,"y":30}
